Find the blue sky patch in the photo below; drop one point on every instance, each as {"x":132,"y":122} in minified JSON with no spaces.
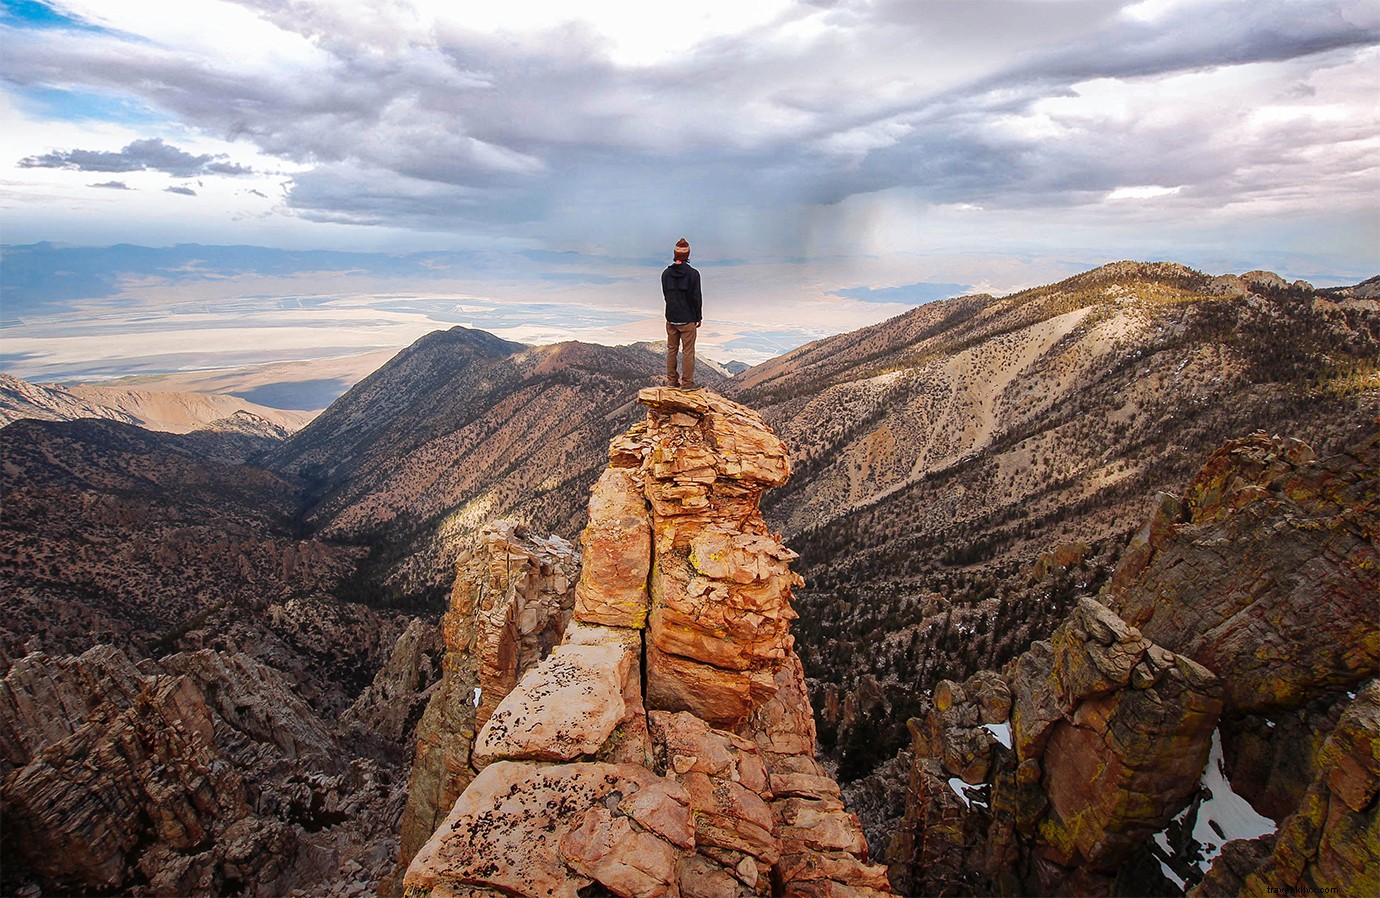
{"x":31,"y":14}
{"x":79,"y":106}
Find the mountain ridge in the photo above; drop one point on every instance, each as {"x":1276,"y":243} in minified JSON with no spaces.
{"x":1056,"y":424}
{"x":943,"y":454}
{"x":501,"y":428}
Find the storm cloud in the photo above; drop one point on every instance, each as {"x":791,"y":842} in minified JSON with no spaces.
{"x":771,"y":135}
{"x":142,"y":155}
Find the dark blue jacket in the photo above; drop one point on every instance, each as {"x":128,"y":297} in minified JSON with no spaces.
{"x":680,"y":284}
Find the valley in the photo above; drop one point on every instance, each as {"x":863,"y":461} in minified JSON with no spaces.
{"x":964,"y":477}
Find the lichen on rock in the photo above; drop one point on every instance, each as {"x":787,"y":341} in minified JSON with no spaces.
{"x":1266,"y":571}
{"x":1247,"y":604}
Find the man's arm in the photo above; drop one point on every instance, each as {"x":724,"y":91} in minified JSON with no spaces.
{"x":697,"y":299}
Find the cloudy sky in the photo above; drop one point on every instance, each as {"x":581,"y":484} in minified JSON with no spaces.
{"x":831,"y":161}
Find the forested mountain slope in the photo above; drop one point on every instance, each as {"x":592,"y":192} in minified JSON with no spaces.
{"x":967,"y":468}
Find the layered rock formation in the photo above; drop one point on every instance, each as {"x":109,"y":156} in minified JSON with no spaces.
{"x":1252,"y":597}
{"x":512,"y":599}
{"x":203,"y":774}
{"x":1091,"y":741}
{"x":666,"y":745}
{"x":1267,"y":569}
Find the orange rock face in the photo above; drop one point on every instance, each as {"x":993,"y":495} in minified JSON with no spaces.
{"x":566,"y":707}
{"x":511,"y":602}
{"x":720,"y":582}
{"x":676,"y":545}
{"x":551,"y":831}
{"x":666,"y":747}
{"x":617,"y":554}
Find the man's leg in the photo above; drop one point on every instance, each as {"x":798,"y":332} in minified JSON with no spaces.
{"x":687,"y":364}
{"x":672,"y":344}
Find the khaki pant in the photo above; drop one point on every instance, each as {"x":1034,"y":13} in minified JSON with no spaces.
{"x":680,"y":337}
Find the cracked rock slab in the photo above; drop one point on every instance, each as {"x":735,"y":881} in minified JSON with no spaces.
{"x":525,"y":829}
{"x":565,"y":707}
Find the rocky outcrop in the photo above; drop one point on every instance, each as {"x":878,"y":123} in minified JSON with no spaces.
{"x":525,"y":830}
{"x":117,"y":774}
{"x":1331,"y":844}
{"x":45,"y":698}
{"x":76,"y":815}
{"x":1123,"y":750}
{"x":257,"y":713}
{"x":389,"y":708}
{"x":1059,"y":769}
{"x":720,"y":583}
{"x":202,"y":773}
{"x":512,"y":599}
{"x":666,"y":746}
{"x":1249,"y":606}
{"x":1265,"y":571}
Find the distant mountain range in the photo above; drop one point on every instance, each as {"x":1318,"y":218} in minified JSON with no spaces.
{"x":952,"y":445}
{"x":162,"y":410}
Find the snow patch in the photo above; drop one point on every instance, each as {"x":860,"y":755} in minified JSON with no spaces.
{"x":477,"y":693}
{"x":1000,"y":730}
{"x":1162,"y":840}
{"x":957,"y":784}
{"x":1224,"y":815}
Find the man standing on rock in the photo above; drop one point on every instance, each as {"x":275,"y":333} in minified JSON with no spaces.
{"x":680,"y":284}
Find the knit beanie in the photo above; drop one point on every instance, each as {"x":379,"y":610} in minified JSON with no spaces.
{"x":682,"y":250}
